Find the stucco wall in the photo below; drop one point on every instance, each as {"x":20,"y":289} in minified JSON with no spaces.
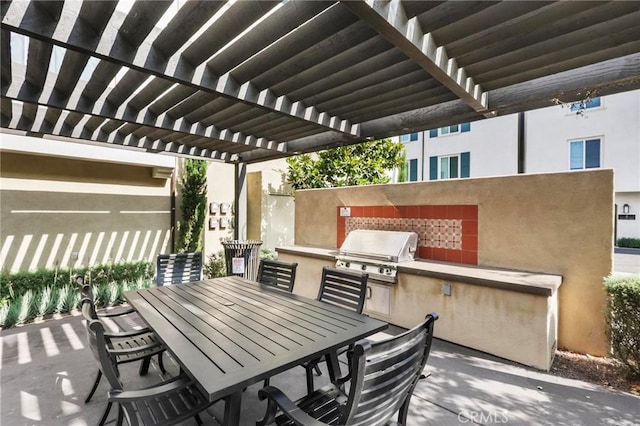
{"x":70,"y":212}
{"x":559,"y":223}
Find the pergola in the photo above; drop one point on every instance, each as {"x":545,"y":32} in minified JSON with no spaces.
{"x":249,"y":81}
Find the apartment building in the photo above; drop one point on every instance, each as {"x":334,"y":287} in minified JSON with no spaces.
{"x":600,"y":132}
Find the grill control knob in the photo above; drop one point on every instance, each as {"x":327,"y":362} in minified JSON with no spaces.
{"x":363,"y":267}
{"x":346,"y":265}
{"x":381,"y":270}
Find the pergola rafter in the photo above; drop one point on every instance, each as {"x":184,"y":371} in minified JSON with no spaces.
{"x":250,"y":81}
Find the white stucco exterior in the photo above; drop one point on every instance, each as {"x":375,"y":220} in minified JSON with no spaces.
{"x":492,"y":145}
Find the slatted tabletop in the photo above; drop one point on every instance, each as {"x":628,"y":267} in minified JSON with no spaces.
{"x":228,"y":333}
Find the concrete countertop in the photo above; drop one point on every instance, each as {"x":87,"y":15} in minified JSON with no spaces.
{"x":513,"y":280}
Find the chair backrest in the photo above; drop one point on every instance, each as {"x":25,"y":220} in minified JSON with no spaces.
{"x":98,"y":344}
{"x":345,"y":289}
{"x":86,"y":292}
{"x":385,"y":374}
{"x":277,"y":273}
{"x":178,"y":268}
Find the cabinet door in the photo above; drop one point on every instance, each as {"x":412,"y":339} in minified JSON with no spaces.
{"x":378,"y":300}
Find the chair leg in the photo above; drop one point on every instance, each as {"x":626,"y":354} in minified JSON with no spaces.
{"x":198,"y":419}
{"x":120,"y":416}
{"x":103,"y":419}
{"x":317,"y":369}
{"x":95,"y":386}
{"x":161,"y":363}
{"x":266,"y":382}
{"x":144,"y":366}
{"x":310,"y":385}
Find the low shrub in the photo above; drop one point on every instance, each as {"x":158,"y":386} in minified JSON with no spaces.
{"x":17,"y":284}
{"x":623,"y":319}
{"x":628,"y":242}
{"x":215,"y":266}
{"x":50,"y":300}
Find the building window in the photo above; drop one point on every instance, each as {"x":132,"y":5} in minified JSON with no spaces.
{"x":584,"y":154}
{"x":412,"y":170}
{"x":410,"y":137}
{"x":450,"y":130}
{"x":585,"y":104}
{"x":450,"y":166}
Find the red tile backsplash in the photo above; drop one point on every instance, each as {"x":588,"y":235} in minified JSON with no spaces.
{"x":448,"y":233}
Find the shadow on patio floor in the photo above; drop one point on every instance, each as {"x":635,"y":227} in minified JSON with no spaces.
{"x":47,"y":369}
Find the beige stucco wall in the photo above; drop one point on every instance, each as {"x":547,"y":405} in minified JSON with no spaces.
{"x":560,"y":223}
{"x":220,"y":189}
{"x":72,"y":212}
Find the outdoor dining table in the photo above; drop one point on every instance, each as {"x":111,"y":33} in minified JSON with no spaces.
{"x":228,"y":333}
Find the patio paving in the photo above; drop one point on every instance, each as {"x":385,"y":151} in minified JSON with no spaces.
{"x":47,"y":369}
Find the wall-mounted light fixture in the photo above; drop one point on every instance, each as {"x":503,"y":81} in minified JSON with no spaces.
{"x":625,"y":208}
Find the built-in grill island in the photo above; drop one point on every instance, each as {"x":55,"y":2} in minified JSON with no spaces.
{"x":377,"y":253}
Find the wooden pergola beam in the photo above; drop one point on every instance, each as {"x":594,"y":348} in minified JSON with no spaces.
{"x":390,"y":20}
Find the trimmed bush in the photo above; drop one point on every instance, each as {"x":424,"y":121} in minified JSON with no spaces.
{"x":629,"y":242}
{"x":623,"y":319}
{"x":49,"y":300}
{"x":15,"y":285}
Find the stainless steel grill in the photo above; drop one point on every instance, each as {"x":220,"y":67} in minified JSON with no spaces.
{"x":377,"y":252}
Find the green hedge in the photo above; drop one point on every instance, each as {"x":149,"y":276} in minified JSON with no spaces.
{"x":50,"y":300}
{"x":628,"y":242}
{"x":13,"y":286}
{"x":623,"y":319}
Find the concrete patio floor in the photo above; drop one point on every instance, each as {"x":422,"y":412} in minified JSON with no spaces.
{"x":47,"y":369}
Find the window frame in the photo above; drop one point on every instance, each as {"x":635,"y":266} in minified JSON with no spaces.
{"x":449,"y":157}
{"x":583,"y":153}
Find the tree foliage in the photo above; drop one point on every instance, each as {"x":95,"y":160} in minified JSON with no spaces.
{"x":193,"y":186}
{"x":360,"y":164}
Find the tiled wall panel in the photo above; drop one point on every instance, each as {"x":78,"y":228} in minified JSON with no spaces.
{"x":445,"y":233}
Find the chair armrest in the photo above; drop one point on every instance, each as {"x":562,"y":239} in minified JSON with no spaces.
{"x":278,"y":400}
{"x":130,"y":333}
{"x":152,"y":392}
{"x":117,"y":314}
{"x":133,"y":351}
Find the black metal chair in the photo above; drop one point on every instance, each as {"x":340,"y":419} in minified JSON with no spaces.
{"x":383,"y":376}
{"x":166,"y":404}
{"x":127,"y":339}
{"x":178,"y":268}
{"x":124,"y":347}
{"x":277,"y":273}
{"x":340,"y":288}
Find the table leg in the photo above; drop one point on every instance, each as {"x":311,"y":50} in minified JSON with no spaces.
{"x":333,"y":365}
{"x":232,"y":409}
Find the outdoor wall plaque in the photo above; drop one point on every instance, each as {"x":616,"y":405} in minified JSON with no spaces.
{"x":224,"y":208}
{"x":213,"y":207}
{"x":213,"y":223}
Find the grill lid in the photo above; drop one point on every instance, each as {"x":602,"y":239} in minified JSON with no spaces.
{"x":391,"y":246}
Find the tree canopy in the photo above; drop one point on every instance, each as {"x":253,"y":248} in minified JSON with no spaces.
{"x":360,"y":164}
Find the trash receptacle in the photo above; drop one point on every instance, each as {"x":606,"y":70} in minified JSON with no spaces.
{"x":242,"y":258}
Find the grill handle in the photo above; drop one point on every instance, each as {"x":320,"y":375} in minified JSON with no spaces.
{"x":368,"y":255}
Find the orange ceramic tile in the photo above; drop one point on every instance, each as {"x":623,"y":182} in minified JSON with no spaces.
{"x":469,"y":227}
{"x":470,"y":212}
{"x":469,"y":242}
{"x":426,"y":212}
{"x":454,"y":256}
{"x":356,"y":211}
{"x":413,"y":212}
{"x":367,"y":211}
{"x":402,"y":211}
{"x":424,"y":252}
{"x":439,"y":254}
{"x":388,"y":212}
{"x":469,"y":257}
{"x":454,"y":212}
{"x":377,"y":211}
{"x":439,"y":212}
